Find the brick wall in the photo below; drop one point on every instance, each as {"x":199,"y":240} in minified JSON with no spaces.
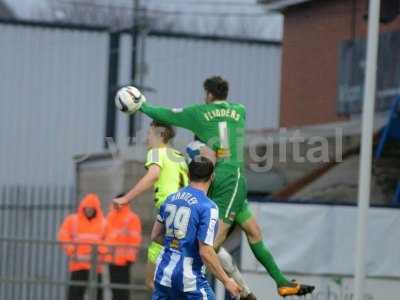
{"x":312,"y":35}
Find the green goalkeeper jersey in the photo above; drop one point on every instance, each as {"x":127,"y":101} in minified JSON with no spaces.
{"x":220,"y":124}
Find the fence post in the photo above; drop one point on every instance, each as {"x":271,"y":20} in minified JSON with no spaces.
{"x":92,"y":284}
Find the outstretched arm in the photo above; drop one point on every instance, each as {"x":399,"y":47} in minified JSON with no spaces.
{"x":182,"y":117}
{"x":145,"y":183}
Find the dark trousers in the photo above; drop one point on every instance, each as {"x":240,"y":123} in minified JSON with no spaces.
{"x":120,"y":275}
{"x":77,"y":292}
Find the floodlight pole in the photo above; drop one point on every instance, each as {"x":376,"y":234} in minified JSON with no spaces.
{"x":135,"y":40}
{"x":366,"y":146}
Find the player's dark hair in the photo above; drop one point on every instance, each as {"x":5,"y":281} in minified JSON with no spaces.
{"x":200,"y":169}
{"x":217,"y":86}
{"x":167,"y":132}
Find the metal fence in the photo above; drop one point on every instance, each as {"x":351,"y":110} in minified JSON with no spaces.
{"x":24,"y":275}
{"x":34,"y":211}
{"x":33,"y":265}
{"x":29,"y":214}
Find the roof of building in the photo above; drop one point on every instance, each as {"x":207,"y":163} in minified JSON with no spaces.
{"x":309,"y":179}
{"x":341,"y":184}
{"x":244,"y":18}
{"x":351,"y":127}
{"x":337,"y":181}
{"x":281,"y":4}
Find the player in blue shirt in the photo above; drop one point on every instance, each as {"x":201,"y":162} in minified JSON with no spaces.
{"x":187,"y":225}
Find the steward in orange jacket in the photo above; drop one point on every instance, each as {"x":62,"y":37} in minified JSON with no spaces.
{"x":123,"y":238}
{"x":79,"y":233}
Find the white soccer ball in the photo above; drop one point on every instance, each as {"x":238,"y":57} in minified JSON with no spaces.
{"x":129,"y":99}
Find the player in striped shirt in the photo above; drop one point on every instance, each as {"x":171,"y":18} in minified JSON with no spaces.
{"x":187,"y":224}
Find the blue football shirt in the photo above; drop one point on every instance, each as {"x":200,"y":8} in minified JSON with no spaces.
{"x":189,"y":216}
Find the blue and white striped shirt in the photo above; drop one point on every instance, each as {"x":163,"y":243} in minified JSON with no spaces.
{"x":189,"y":216}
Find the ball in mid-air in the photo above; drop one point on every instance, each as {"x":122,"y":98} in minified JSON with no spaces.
{"x":129,"y":99}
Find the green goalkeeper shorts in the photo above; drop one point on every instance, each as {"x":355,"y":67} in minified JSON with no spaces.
{"x":229,"y":191}
{"x":153,"y":252}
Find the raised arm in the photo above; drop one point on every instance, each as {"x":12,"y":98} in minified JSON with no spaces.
{"x":181,"y":117}
{"x":145,"y":183}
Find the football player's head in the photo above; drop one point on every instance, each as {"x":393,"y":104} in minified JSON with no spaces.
{"x":201,"y":170}
{"x":159,"y":134}
{"x":197,"y":148}
{"x":216,"y":88}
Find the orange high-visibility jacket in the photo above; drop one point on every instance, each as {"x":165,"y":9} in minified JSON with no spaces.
{"x":123,"y":236}
{"x":78,"y":234}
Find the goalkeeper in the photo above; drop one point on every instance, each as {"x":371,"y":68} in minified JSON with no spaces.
{"x":221,"y":125}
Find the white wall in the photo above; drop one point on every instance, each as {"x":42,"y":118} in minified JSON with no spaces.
{"x":320,"y":239}
{"x":315,"y":244}
{"x":52,"y":101}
